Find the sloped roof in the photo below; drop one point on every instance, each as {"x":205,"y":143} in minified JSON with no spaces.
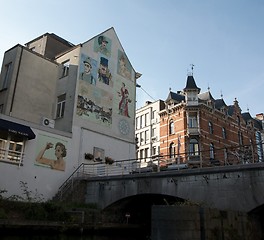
{"x":257,"y":124}
{"x":205,"y":96}
{"x":246,"y":116}
{"x":219,"y":103}
{"x":175,"y":97}
{"x":190,"y":84}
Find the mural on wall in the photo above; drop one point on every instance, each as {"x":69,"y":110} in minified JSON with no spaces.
{"x":106,"y":90}
{"x":99,"y":154}
{"x":95,"y":104}
{"x":103,"y":45}
{"x":124,"y":101}
{"x":123,"y":66}
{"x":51,"y":152}
{"x":88,"y":69}
{"x":104,"y":74}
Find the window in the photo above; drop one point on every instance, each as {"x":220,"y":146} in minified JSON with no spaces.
{"x":1,"y":108}
{"x":193,"y":122}
{"x":172,"y":150}
{"x":61,"y":106}
{"x":146,"y":154}
{"x":240,"y":138}
{"x":154,"y":132}
{"x":141,"y":138}
{"x":146,"y":135}
{"x":6,"y":75}
{"x":65,"y":70}
{"x":154,"y":150}
{"x":137,"y":123}
{"x":193,"y":147}
{"x":12,"y":149}
{"x":238,"y":120}
{"x":153,"y":114}
{"x":211,"y":130}
{"x":225,"y":154}
{"x":224,"y":133}
{"x":141,"y":120}
{"x":212,"y":152}
{"x":171,"y":127}
{"x":146,"y":119}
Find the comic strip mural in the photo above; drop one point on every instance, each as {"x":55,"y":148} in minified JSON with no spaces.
{"x":106,"y":93}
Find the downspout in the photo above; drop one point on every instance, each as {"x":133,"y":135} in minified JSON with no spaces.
{"x":14,"y":91}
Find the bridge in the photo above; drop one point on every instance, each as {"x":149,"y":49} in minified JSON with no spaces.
{"x":234,"y":187}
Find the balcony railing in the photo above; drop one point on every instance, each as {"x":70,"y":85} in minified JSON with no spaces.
{"x":193,"y":130}
{"x":12,"y":157}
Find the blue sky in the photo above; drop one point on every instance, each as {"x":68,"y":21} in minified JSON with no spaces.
{"x":222,"y":38}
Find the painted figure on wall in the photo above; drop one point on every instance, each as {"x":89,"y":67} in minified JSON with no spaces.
{"x":124,"y":101}
{"x":104,"y":74}
{"x":103,"y":46}
{"x":123,"y":69}
{"x":60,"y":153}
{"x":87,"y":74}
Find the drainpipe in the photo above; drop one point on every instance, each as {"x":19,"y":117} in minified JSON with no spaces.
{"x":14,"y":91}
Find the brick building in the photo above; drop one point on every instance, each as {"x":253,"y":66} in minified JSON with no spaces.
{"x":200,"y":131}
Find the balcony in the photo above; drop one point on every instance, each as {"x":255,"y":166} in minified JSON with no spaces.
{"x":193,"y":131}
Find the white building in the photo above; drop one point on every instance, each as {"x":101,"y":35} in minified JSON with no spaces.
{"x":60,"y":104}
{"x":148,"y":131}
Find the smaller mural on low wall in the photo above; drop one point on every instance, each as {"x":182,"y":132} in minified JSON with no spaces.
{"x":51,"y":152}
{"x":102,"y":44}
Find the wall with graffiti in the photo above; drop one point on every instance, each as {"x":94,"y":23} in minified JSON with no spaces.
{"x":106,"y":86}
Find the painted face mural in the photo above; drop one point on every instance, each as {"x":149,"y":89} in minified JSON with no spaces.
{"x":88,"y":69}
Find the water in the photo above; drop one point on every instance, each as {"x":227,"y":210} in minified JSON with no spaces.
{"x":71,"y":237}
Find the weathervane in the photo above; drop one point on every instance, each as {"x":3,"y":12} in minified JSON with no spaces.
{"x":190,"y":73}
{"x":192,"y":65}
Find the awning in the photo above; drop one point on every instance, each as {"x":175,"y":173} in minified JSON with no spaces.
{"x":17,"y":128}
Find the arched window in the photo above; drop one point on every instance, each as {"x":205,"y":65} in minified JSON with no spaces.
{"x":210,"y":125}
{"x":171,"y":127}
{"x":172,"y":150}
{"x":240,"y":138}
{"x":212,"y":151}
{"x":225,"y":155}
{"x":224,"y":133}
{"x":193,"y":147}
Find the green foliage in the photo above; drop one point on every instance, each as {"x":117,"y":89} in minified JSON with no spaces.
{"x":3,"y":214}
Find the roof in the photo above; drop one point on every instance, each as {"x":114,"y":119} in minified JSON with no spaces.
{"x":220,"y":103}
{"x":175,"y":97}
{"x":205,"y":96}
{"x":53,"y":35}
{"x":190,"y":84}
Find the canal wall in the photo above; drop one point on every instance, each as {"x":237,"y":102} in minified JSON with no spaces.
{"x":198,"y":223}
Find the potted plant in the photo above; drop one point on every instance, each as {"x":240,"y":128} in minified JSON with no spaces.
{"x":88,"y":156}
{"x":109,"y":160}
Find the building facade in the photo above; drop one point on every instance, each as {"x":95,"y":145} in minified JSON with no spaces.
{"x":147,"y":131}
{"x":200,"y":131}
{"x":63,"y":105}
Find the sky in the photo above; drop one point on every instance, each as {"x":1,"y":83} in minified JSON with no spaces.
{"x":223,"y":39}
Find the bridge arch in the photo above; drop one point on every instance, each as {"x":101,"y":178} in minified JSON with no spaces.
{"x":137,"y":208}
